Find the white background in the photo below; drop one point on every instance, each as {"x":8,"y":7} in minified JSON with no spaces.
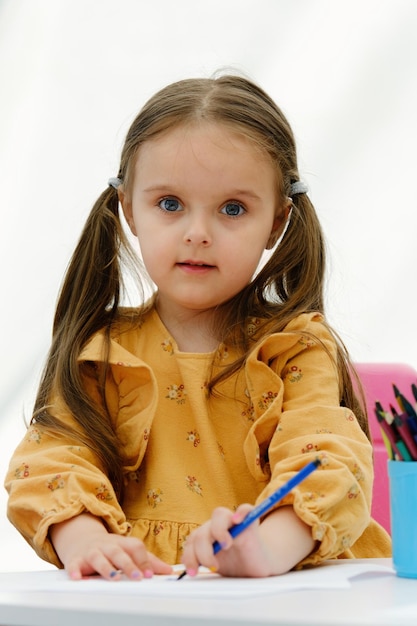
{"x":74,"y":73}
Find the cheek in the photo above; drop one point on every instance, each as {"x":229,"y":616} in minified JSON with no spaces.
{"x":154,"y":250}
{"x":253,"y":244}
{"x":145,"y":248}
{"x":244,"y":261}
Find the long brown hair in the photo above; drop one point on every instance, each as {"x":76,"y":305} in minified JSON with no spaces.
{"x":290,"y":283}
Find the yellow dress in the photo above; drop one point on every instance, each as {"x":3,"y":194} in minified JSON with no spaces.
{"x":187,"y":453}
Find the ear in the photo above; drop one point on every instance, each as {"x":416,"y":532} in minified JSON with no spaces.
{"x":126,"y":203}
{"x":278,"y":227}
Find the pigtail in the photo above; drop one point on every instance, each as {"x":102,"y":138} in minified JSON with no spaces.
{"x":293,"y":277}
{"x":301,"y":289}
{"x":88,"y":301}
{"x":91,"y":289}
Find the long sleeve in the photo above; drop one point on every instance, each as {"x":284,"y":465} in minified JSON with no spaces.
{"x":52,"y":478}
{"x":293,"y":382}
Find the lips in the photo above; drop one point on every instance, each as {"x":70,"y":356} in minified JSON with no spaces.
{"x":195,"y":267}
{"x":195,"y":264}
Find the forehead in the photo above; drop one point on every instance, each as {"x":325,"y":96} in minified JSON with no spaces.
{"x":206,"y":143}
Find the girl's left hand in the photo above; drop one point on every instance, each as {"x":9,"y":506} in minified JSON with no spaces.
{"x":269,"y":548}
{"x":246,"y":555}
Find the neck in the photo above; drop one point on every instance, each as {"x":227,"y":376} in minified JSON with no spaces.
{"x":192,"y":330}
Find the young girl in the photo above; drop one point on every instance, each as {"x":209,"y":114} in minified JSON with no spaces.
{"x":157,"y":428}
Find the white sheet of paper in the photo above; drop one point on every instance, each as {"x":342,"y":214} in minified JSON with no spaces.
{"x":206,"y":584}
{"x":398,"y":615}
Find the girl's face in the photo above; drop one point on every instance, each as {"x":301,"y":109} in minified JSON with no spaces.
{"x":204,"y":206}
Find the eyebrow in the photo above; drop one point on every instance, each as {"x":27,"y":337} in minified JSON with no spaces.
{"x":235,"y":192}
{"x":157,"y":187}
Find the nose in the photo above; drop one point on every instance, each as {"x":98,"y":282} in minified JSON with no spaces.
{"x":198,"y":231}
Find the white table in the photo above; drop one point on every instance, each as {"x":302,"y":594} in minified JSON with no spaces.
{"x":381,"y":599}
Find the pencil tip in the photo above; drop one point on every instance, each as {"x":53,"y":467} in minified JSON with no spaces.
{"x":182,"y":574}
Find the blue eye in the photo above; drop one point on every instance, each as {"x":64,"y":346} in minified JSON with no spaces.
{"x":233,"y":209}
{"x":169,"y":204}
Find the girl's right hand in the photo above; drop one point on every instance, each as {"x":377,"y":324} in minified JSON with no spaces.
{"x":85,"y":547}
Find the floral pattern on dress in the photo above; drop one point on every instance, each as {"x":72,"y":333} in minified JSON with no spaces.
{"x":221,"y":450}
{"x":249,"y":412}
{"x":319,"y":532}
{"x":154,"y":497}
{"x":57,"y":482}
{"x":194,"y":437}
{"x":353,"y":492}
{"x":307,"y":342}
{"x":168,"y":346}
{"x":345,"y":542}
{"x":357,"y":472}
{"x":158,"y":528}
{"x":181,"y":542}
{"x":324,"y":459}
{"x":349,"y":417}
{"x":103,"y":493}
{"x":193,"y":485}
{"x":310,"y":447}
{"x":177,"y":393}
{"x":22,"y":471}
{"x":293,"y":374}
{"x":267,"y":399}
{"x":34,"y":434}
{"x":312,"y":496}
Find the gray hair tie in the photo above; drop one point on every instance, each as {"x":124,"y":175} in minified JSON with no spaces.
{"x":298,"y":187}
{"x":114,"y":182}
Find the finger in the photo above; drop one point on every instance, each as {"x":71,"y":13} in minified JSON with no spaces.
{"x":93,"y":563}
{"x":199,"y":550}
{"x":205,"y":556}
{"x":189,"y":558}
{"x":74,"y":570}
{"x":199,"y":545}
{"x":138,"y":561}
{"x":241,"y":512}
{"x":129,"y":558}
{"x":221,"y":521}
{"x":108,"y":568}
{"x":159,"y":566}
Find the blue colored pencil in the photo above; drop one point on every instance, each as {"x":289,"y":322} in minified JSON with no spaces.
{"x":267,"y":504}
